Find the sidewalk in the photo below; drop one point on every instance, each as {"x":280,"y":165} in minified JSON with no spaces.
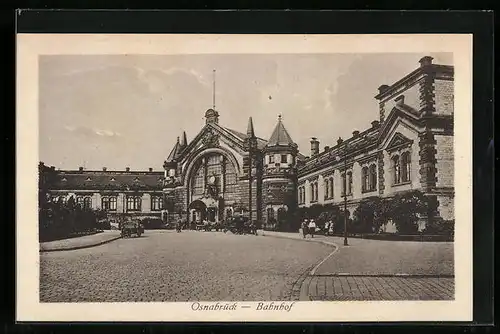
{"x":80,"y":242}
{"x":376,"y":270}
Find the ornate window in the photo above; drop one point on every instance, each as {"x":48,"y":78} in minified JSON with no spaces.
{"x":270,"y":214}
{"x":343,"y":184}
{"x":84,"y":201}
{"x":396,"y":165}
{"x":156,"y":203}
{"x":331,"y":187}
{"x":405,"y":167}
{"x":134,"y":203}
{"x":373,"y":177}
{"x":327,"y":188}
{"x":365,"y":186}
{"x":349,"y":183}
{"x":108,"y":203}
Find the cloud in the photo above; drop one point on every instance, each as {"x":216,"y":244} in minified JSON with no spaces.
{"x":91,"y":132}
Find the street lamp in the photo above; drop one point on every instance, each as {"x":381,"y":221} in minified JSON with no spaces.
{"x":338,"y":158}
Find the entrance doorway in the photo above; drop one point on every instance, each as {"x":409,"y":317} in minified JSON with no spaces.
{"x":198,"y":211}
{"x":211,"y":214}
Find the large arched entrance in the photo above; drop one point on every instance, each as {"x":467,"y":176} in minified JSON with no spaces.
{"x":212,"y":187}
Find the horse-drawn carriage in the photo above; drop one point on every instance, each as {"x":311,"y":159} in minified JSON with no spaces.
{"x":240,"y":225}
{"x":130,"y":228}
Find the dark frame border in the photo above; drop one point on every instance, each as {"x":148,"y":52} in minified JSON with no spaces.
{"x":480,"y":24}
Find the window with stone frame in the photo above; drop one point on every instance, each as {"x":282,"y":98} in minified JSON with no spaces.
{"x":396,"y":169}
{"x":405,"y":167}
{"x":331,"y":187}
{"x":344,"y":184}
{"x":156,"y":203}
{"x":312,"y":192}
{"x":316,"y":191}
{"x":108,"y":203}
{"x":349,"y":183}
{"x":84,"y":202}
{"x":284,"y":158}
{"x":327,"y":188}
{"x":365,"y":185}
{"x":134,"y":203}
{"x":271,"y":158}
{"x":270,"y":214}
{"x":373,"y":177}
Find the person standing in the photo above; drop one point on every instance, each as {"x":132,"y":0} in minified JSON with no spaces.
{"x":312,"y":227}
{"x":304,"y":228}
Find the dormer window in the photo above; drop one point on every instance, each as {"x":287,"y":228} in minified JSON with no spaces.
{"x":64,"y":179}
{"x":136,"y":179}
{"x":88,"y":179}
{"x":112,"y":179}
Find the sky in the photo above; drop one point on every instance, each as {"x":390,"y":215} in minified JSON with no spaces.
{"x":119,"y":111}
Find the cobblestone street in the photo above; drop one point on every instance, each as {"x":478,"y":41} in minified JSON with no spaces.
{"x":166,"y":266}
{"x":212,"y":266}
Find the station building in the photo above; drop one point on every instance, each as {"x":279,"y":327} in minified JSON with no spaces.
{"x":222,"y":172}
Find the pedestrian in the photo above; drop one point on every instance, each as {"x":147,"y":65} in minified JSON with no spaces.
{"x":311,"y":227}
{"x":327,"y":227}
{"x":304,"y":228}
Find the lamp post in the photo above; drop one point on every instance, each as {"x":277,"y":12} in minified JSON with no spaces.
{"x":344,"y":153}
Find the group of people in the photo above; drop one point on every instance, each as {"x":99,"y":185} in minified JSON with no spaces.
{"x":308,"y":226}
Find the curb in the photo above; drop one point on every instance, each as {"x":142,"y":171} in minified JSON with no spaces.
{"x":79,"y":247}
{"x":328,"y":243}
{"x":387,"y":275}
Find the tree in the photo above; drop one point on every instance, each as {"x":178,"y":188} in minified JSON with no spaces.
{"x":406,"y":209}
{"x":370,"y":215}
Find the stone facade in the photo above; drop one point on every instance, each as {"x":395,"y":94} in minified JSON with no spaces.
{"x":410,"y":147}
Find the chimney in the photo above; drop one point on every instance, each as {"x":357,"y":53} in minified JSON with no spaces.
{"x":80,"y":169}
{"x":52,"y":168}
{"x":400,"y":99}
{"x":382,"y":89}
{"x":150,"y":169}
{"x":355,"y":133}
{"x":104,"y":169}
{"x":326,"y":148}
{"x":340,"y":141}
{"x":425,"y":61}
{"x":314,"y":146}
{"x":127,"y":169}
{"x":375,"y":124}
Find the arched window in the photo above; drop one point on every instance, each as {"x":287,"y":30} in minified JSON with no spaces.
{"x":108,"y":203}
{"x":327,"y":188}
{"x":364,"y":179}
{"x":87,"y":202}
{"x":373,"y":177}
{"x":349,"y":183}
{"x":331,"y":187}
{"x":270,"y":214}
{"x":134,"y":203}
{"x":343,"y":184}
{"x":406,"y":166}
{"x":397,"y":169}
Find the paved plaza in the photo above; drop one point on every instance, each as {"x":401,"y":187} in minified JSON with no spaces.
{"x":212,"y":266}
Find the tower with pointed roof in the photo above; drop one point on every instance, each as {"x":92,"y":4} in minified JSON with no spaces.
{"x":279,"y":176}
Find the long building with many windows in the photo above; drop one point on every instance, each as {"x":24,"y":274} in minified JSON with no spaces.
{"x":223,"y":172}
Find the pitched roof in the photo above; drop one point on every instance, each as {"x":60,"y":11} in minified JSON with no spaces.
{"x":68,"y":180}
{"x":175,"y":151}
{"x":280,"y":136}
{"x":260,"y":142}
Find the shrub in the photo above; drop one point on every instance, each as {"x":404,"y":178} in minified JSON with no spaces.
{"x":405,"y":210}
{"x":440,"y":227}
